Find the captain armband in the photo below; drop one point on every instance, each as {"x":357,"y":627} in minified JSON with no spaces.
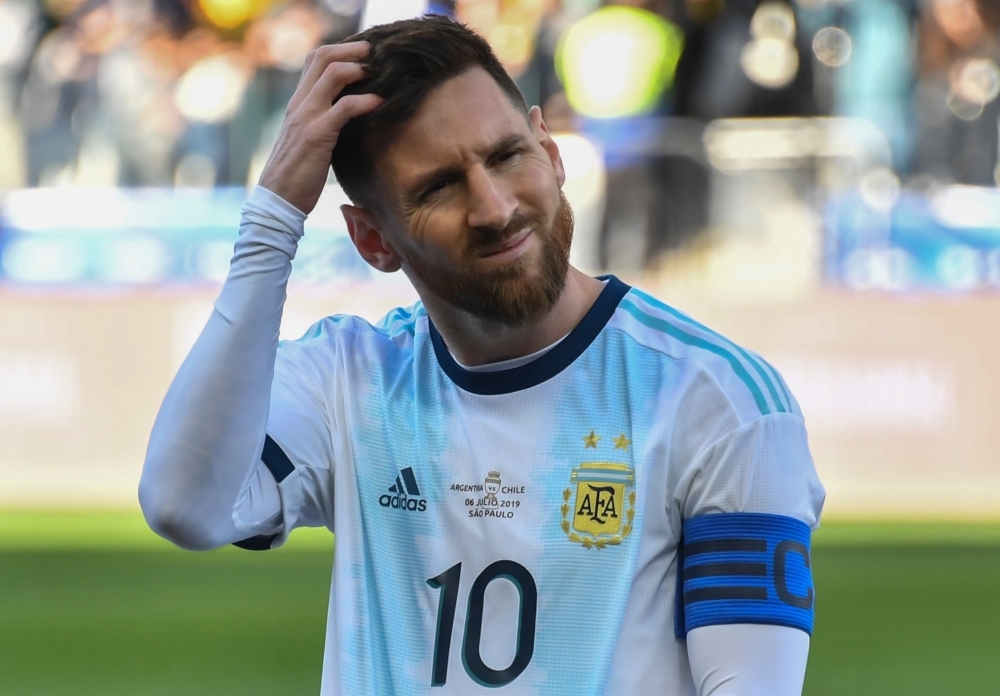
{"x":744,"y":568}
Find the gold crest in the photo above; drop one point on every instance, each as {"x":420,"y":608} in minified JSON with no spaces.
{"x":604,"y":507}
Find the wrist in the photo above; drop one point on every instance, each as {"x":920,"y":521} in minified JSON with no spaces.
{"x":265,"y":199}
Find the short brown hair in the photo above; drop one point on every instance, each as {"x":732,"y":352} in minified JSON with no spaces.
{"x":407,"y":60}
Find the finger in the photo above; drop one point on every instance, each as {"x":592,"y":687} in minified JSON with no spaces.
{"x":310,"y":57}
{"x":318,"y":61}
{"x":323,"y":56}
{"x":346,"y":108}
{"x":332,"y":82}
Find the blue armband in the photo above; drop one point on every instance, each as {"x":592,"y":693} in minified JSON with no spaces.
{"x":744,"y":568}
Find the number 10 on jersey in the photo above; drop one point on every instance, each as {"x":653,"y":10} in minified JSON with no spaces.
{"x":448,"y":582}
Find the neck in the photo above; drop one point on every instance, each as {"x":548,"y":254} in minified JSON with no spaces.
{"x":475,"y":341}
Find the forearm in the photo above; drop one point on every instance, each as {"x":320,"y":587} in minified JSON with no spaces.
{"x":207,"y":436}
{"x":748,"y":660}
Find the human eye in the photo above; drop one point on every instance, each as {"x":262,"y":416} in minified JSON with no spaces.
{"x":435,"y":188}
{"x":508,"y":155}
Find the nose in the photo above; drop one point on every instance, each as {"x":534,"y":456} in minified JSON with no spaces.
{"x":491,"y":203}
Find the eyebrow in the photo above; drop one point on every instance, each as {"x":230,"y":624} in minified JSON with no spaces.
{"x":414,"y":192}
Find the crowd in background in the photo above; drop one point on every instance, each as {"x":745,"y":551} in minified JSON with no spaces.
{"x":191,"y":92}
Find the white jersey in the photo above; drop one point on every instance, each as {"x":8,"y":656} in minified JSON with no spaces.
{"x":525,"y":530}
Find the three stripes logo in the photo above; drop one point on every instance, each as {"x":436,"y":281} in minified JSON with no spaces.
{"x":405,"y":493}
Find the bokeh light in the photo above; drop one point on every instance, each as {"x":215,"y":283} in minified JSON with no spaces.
{"x":978,"y":81}
{"x":513,"y":46}
{"x":880,"y":189}
{"x":770,"y":62}
{"x":617,"y":61}
{"x":832,"y":46}
{"x":963,"y":107}
{"x":770,"y":58}
{"x":229,"y":14}
{"x":284,"y":40}
{"x":212,"y":90}
{"x":961,"y":267}
{"x":773,"y":20}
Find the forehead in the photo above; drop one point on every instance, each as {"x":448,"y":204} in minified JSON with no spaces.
{"x":455,"y":126}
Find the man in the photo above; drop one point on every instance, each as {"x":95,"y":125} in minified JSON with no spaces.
{"x":540,"y":482}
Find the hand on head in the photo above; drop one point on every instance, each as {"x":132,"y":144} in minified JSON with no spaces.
{"x":299,"y":163}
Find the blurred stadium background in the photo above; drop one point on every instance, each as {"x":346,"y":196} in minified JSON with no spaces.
{"x":817,"y":179}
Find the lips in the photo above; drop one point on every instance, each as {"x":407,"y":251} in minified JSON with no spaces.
{"x":505,"y":245}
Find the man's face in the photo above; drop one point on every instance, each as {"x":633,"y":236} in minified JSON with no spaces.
{"x":475,"y":208}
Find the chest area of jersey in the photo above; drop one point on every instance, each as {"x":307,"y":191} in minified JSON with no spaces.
{"x":526,"y":472}
{"x":510,"y":528}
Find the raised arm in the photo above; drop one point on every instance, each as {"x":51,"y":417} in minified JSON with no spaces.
{"x":207,"y":438}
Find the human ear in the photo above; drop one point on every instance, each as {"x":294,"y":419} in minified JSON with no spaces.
{"x":548,"y":144}
{"x":369,"y":240}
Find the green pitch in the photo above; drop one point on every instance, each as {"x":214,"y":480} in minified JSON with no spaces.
{"x":94,"y":604}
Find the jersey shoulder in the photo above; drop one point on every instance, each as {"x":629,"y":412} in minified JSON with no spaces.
{"x":399,"y":327}
{"x":751,"y":386}
{"x":334,"y":339}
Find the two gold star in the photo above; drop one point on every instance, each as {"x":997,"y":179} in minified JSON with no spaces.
{"x":621,"y":442}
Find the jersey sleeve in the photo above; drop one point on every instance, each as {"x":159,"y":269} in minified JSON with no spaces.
{"x":763,"y":466}
{"x":293,"y":485}
{"x":746,"y":502}
{"x":206,"y":442}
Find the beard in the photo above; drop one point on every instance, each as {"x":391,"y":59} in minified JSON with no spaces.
{"x":506,"y":293}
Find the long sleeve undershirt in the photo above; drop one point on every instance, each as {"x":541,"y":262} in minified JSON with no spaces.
{"x":206,"y":442}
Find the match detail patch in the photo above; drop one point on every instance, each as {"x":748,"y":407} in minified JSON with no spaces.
{"x":744,"y":568}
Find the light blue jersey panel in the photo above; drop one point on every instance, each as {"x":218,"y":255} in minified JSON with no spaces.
{"x":395,"y":426}
{"x":588,"y":604}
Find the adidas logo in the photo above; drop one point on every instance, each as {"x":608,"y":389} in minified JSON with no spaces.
{"x":405,"y":493}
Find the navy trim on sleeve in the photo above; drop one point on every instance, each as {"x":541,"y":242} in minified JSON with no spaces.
{"x":261,"y":542}
{"x":280,"y":466}
{"x":276,"y":460}
{"x":749,"y":568}
{"x":545,"y":367}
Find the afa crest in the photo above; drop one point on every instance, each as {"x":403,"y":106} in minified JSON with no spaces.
{"x":603,"y":509}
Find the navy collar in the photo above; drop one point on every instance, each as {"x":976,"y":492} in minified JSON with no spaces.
{"x":545,"y":367}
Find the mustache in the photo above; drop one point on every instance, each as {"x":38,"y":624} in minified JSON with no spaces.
{"x":483,"y":237}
